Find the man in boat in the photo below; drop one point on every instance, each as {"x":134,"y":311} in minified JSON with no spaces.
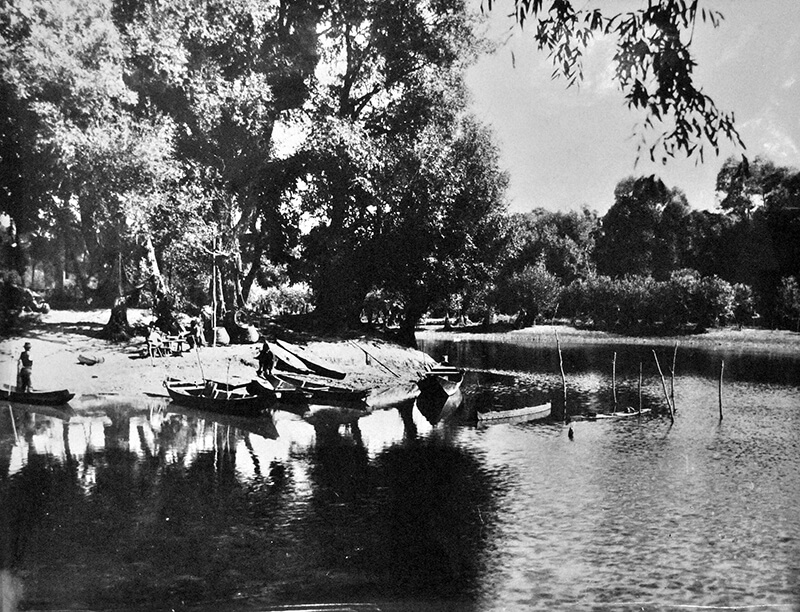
{"x":24,"y":369}
{"x":266,"y":360}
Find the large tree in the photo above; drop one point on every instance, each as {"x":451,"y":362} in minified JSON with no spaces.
{"x":641,"y":232}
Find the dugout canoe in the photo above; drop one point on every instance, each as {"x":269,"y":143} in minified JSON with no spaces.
{"x":37,"y":398}
{"x":312,"y":362}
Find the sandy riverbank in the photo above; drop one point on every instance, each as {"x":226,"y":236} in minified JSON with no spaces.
{"x":58,"y":337}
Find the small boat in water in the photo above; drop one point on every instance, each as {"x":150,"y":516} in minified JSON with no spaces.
{"x":277,"y":390}
{"x":323,"y":393}
{"x":216,"y":397}
{"x":441,"y":378}
{"x":38,"y":398}
{"x":517,"y":415}
{"x":616,"y":415}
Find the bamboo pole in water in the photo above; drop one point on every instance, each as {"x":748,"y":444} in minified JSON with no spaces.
{"x":672,"y":376}
{"x":664,"y":386}
{"x":640,"y":386}
{"x":614,"y":379}
{"x":721,"y":371}
{"x":563,"y":377}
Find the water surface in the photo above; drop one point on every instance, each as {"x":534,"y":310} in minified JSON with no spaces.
{"x":145,"y":505}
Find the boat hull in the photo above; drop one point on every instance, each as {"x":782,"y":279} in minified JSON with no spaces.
{"x":37,"y":398}
{"x":223,"y":399}
{"x":517,"y":415}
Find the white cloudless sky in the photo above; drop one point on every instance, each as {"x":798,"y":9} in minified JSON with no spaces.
{"x":568,"y":147}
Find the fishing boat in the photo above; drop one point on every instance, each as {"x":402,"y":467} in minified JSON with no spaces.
{"x":277,"y":390}
{"x":441,"y":378}
{"x":517,"y":415}
{"x":323,"y":393}
{"x":616,"y":415}
{"x":37,"y":398}
{"x":313,"y":363}
{"x":216,"y":397}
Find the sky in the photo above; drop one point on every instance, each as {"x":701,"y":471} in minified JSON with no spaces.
{"x":568,"y":147}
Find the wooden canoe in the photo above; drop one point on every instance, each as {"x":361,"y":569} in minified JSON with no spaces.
{"x":216,"y":397}
{"x":517,"y":415}
{"x":322,"y":393}
{"x":441,"y":378}
{"x":617,"y":415}
{"x":313,"y":363}
{"x":285,"y":360}
{"x":277,"y":390}
{"x":37,"y":398}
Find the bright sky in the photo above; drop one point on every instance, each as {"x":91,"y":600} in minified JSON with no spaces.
{"x":567,"y":147}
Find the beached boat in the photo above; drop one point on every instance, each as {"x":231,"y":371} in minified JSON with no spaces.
{"x":441,"y":378}
{"x":38,"y":398}
{"x":323,"y":393}
{"x":217,"y":397}
{"x":517,"y":415}
{"x":286,"y":360}
{"x":313,"y":363}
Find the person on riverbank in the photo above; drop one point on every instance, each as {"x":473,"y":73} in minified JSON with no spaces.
{"x":266,"y":360}
{"x":25,"y":369}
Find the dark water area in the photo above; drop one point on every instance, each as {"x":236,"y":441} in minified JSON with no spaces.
{"x":144,"y":505}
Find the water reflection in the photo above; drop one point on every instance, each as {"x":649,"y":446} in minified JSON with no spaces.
{"x":139,"y":505}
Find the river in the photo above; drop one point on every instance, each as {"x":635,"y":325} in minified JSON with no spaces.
{"x":147,"y":506}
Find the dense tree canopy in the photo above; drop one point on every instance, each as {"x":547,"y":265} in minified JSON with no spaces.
{"x":208,"y":150}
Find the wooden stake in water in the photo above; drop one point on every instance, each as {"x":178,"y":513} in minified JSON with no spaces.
{"x":614,"y":379}
{"x":672,"y":376}
{"x":640,"y":386}
{"x":664,"y":386}
{"x":721,"y":371}
{"x":563,"y":377}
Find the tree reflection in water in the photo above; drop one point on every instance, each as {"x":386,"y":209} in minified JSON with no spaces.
{"x":143,"y":507}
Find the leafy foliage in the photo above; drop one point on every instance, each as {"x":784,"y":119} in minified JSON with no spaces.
{"x":653,"y":64}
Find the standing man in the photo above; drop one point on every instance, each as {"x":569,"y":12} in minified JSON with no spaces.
{"x":265,"y":360}
{"x":24,"y":369}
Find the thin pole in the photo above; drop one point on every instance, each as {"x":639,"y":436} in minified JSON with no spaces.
{"x":200,"y":363}
{"x":563,"y":377}
{"x":721,"y":372}
{"x":614,"y":378}
{"x":214,"y":293}
{"x":664,"y":386}
{"x":640,"y":386}
{"x":672,"y":376}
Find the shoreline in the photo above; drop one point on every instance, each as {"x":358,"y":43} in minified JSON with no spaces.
{"x":387,"y":369}
{"x":60,"y":336}
{"x":723,"y":339}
